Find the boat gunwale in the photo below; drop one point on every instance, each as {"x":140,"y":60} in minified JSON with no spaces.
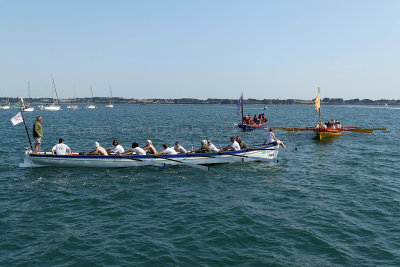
{"x":150,"y":156}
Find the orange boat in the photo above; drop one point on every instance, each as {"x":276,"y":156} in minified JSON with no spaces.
{"x":327,"y":133}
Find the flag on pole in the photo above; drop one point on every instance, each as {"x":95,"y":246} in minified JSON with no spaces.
{"x":239,"y":106}
{"x":17,"y":119}
{"x":317,"y":102}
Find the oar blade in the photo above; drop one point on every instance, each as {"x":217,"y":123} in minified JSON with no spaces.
{"x":361,"y":130}
{"x":200,"y":167}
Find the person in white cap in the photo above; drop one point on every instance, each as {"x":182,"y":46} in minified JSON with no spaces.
{"x":204,"y":148}
{"x":98,"y":151}
{"x":150,"y":148}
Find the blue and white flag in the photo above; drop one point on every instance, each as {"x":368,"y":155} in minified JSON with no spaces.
{"x":239,"y":106}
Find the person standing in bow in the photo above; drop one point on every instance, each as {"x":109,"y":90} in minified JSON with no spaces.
{"x":38,"y":133}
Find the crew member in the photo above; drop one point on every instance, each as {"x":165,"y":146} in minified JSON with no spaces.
{"x":98,"y":151}
{"x":271,"y":139}
{"x":61,"y":148}
{"x":38,"y":133}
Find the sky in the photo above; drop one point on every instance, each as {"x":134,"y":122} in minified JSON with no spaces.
{"x":201,"y":49}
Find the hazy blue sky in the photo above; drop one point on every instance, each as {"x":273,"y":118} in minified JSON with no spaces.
{"x":202,"y":49}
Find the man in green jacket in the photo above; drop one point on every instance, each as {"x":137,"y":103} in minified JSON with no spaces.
{"x":38,"y":133}
{"x":204,"y":148}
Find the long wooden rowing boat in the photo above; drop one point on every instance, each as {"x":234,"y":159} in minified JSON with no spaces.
{"x":46,"y":159}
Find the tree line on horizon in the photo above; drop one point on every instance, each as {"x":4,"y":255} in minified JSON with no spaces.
{"x":220,"y":101}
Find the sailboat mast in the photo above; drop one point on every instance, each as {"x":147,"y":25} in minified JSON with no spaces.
{"x":110,"y":94}
{"x":55,"y":89}
{"x":91,"y":90}
{"x":29,"y":91}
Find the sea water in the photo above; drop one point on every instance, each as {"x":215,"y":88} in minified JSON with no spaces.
{"x":330,"y":203}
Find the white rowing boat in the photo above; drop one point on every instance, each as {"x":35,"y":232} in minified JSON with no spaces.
{"x":198,"y":160}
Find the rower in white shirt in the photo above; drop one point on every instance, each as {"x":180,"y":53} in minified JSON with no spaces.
{"x":116,"y":148}
{"x":168,"y":150}
{"x":179,"y":149}
{"x":61,"y":148}
{"x":136,"y":150}
{"x":233,"y":146}
{"x":212,"y":146}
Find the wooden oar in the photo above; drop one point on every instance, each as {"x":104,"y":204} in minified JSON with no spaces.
{"x":149,"y":162}
{"x":201,"y":167}
{"x":309,"y":128}
{"x":360,"y":130}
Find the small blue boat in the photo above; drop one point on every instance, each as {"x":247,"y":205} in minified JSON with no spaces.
{"x":251,"y":127}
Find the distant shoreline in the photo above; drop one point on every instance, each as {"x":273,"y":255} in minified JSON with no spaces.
{"x":216,"y":101}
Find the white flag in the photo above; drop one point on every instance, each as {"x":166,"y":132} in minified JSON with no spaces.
{"x":17,"y":119}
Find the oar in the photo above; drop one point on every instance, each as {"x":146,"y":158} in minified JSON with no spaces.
{"x":295,"y":129}
{"x":360,"y":130}
{"x":201,"y":167}
{"x":149,"y":162}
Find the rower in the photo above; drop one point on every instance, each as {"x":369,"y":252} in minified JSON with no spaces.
{"x":212,"y":146}
{"x":61,"y":148}
{"x":99,"y":150}
{"x":241,"y":143}
{"x":116,"y":148}
{"x":204,"y":148}
{"x":135,"y":150}
{"x":233,"y":146}
{"x":168,"y":150}
{"x":179,"y":149}
{"x":149,"y":148}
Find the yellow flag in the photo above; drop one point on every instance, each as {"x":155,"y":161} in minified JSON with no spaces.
{"x":317,"y":102}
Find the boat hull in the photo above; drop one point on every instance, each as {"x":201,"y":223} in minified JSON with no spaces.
{"x":265,"y":153}
{"x":327,"y":134}
{"x":248,"y":127}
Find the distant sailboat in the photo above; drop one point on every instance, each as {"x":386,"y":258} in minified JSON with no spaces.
{"x":55,"y":105}
{"x":91,"y":105}
{"x":110,"y":105}
{"x":7,"y":105}
{"x":28,"y":108}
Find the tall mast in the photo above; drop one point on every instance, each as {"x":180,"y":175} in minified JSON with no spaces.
{"x":54,"y":87}
{"x":29,"y":91}
{"x":91,"y":90}
{"x":110,"y":94}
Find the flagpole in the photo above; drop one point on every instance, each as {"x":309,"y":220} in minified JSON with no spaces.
{"x":26,"y":129}
{"x":242,"y":105}
{"x":319,"y":106}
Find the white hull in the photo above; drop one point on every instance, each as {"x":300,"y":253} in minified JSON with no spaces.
{"x":110,"y":106}
{"x":5,"y":107}
{"x":72,"y":107}
{"x":50,"y":108}
{"x":29,"y":109}
{"x":267,"y":153}
{"x":91,"y":107}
